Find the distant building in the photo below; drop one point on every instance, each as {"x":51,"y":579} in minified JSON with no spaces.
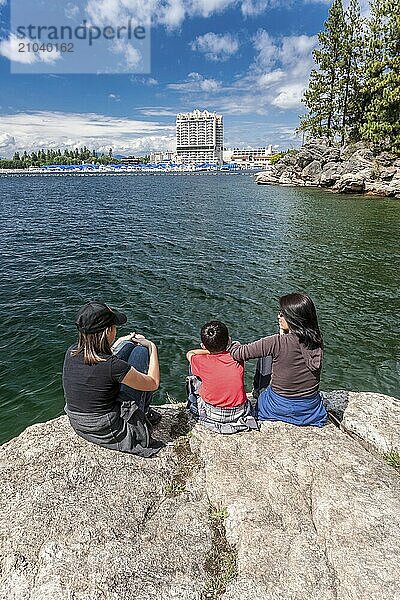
{"x":162,"y":156}
{"x":199,"y":137}
{"x":249,"y":157}
{"x":130,"y":160}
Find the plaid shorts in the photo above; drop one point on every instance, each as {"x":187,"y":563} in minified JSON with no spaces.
{"x":217,"y":418}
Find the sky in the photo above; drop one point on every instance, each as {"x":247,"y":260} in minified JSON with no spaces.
{"x":248,"y":60}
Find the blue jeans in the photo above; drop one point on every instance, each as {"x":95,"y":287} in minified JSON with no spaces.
{"x":138,"y":357}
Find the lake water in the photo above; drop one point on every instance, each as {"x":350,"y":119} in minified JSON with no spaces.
{"x":175,"y":251}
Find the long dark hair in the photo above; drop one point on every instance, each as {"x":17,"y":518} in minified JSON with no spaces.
{"x":301,"y":316}
{"x":93,"y":346}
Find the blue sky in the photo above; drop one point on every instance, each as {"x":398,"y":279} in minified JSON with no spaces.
{"x":247,"y":59}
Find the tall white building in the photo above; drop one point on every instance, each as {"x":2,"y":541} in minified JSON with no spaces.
{"x":199,"y":137}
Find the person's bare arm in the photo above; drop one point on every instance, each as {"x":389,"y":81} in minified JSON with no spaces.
{"x":141,"y":381}
{"x":194,"y":352}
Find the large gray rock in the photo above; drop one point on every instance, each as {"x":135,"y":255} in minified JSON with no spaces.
{"x":353,"y":169}
{"x":312,"y":171}
{"x":330,"y":174}
{"x":82,"y":522}
{"x":375,"y":419}
{"x":312,"y":514}
{"x":288,"y":513}
{"x":350,"y":183}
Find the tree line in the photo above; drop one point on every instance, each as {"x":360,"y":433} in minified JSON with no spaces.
{"x":354,"y":91}
{"x":77,"y":156}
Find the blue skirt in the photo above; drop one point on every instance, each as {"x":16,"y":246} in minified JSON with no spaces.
{"x":298,"y":411}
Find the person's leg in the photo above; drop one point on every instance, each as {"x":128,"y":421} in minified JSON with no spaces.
{"x":192,"y":387}
{"x":262,"y":376}
{"x":138,"y":357}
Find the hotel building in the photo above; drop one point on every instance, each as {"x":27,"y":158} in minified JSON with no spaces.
{"x":199,"y":137}
{"x":248,"y":158}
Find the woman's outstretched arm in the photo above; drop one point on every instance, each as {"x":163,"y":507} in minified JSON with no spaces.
{"x":264,"y":347}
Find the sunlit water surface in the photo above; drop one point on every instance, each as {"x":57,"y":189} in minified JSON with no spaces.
{"x":175,"y":251}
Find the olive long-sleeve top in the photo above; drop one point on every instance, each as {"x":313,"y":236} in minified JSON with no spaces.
{"x":295,"y":369}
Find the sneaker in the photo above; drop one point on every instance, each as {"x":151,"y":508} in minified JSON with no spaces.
{"x":153,"y":416}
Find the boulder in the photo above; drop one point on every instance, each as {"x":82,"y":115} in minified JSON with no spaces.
{"x":386,"y":159}
{"x":350,"y":183}
{"x":330,"y":154}
{"x":312,"y":171}
{"x":83,"y":522}
{"x":377,"y":188}
{"x":313,"y":496}
{"x":330,"y":174}
{"x":287,"y":513}
{"x":266,"y":178}
{"x":375,"y":419}
{"x":387,"y":173}
{"x":394,"y":186}
{"x":347,"y":151}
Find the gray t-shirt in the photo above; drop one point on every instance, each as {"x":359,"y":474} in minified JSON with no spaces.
{"x":92,"y":388}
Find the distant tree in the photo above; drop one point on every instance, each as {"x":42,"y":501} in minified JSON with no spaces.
{"x":381,"y":93}
{"x":325,"y":90}
{"x":353,"y":73}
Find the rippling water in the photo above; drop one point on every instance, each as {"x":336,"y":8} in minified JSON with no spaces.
{"x":175,"y":251}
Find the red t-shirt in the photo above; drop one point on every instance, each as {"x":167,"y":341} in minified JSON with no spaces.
{"x":222,"y":379}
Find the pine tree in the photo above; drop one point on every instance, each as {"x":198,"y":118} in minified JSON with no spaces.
{"x":324,"y":94}
{"x":353,"y":61}
{"x":381,"y":124}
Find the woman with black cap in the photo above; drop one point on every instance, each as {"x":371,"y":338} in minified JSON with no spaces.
{"x":108,"y":394}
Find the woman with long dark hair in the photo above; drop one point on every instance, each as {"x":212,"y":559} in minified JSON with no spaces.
{"x":296,"y":352}
{"x":108,"y":384}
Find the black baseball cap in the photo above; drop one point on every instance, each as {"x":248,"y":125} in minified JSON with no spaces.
{"x":96,"y":316}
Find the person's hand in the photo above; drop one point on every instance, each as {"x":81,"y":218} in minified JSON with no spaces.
{"x":140,"y":339}
{"x":125,"y":338}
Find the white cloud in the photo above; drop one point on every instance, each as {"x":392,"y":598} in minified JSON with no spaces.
{"x":276,"y":79}
{"x":9,"y":48}
{"x":196,"y":83}
{"x":289,"y":96}
{"x":172,"y":13}
{"x":206,"y":7}
{"x":293,"y":56}
{"x":268,"y":79}
{"x":34,"y":130}
{"x":114,"y":97}
{"x":71,"y":11}
{"x":6,"y":141}
{"x":131,"y":56}
{"x":150,"y":81}
{"x":266,"y":48}
{"x":157,"y":111}
{"x":216,"y":46}
{"x":256,"y":7}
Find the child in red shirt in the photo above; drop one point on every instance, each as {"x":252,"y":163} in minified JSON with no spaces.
{"x":216,"y":384}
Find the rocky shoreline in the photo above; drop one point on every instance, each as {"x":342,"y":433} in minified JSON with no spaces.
{"x":287,"y":513}
{"x":353,"y":169}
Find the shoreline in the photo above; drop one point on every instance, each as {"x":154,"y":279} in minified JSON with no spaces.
{"x":353,"y":169}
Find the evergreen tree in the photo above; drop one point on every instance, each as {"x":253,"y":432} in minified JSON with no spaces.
{"x":325,"y":91}
{"x":353,"y":62}
{"x":381,"y":97}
